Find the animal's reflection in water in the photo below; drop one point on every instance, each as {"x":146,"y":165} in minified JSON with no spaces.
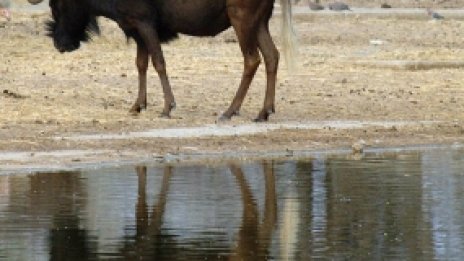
{"x":253,"y":238}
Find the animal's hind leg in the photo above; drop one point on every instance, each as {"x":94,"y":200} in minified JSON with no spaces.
{"x":241,"y":21}
{"x":271,"y":59}
{"x":142,"y":66}
{"x":160,"y":67}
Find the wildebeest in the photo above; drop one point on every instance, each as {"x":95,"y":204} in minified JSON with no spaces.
{"x":152,"y":22}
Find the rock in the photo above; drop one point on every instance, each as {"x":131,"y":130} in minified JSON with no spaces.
{"x":434,"y":15}
{"x":315,"y":6}
{"x":339,"y":6}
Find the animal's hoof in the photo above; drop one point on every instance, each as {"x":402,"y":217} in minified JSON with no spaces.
{"x":137,"y":108}
{"x":165,"y":115}
{"x":134,"y":111}
{"x":264,"y":115}
{"x":226,"y":116}
{"x":223,"y":118}
{"x":258,"y":119}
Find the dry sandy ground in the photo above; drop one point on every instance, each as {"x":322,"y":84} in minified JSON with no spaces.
{"x":46,"y":96}
{"x":392,"y":3}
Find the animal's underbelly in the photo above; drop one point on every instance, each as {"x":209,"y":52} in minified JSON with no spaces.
{"x":198,"y":18}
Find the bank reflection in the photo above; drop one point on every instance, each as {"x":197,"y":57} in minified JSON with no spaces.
{"x":40,"y":220}
{"x":443,"y":191}
{"x":374,"y":209}
{"x":395,"y":206}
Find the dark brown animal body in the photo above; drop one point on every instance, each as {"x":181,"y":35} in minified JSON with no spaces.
{"x":152,"y":22}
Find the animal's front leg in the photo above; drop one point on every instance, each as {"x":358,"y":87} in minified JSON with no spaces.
{"x":152,"y":42}
{"x":142,"y":66}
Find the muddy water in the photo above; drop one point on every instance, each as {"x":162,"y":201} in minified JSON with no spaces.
{"x":402,"y":205}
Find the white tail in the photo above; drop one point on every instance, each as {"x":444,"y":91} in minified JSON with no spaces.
{"x":289,"y":43}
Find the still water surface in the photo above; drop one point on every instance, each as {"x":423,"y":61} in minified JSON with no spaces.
{"x":390,"y":206}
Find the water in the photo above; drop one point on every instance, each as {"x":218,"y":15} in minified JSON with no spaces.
{"x":390,"y":206}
